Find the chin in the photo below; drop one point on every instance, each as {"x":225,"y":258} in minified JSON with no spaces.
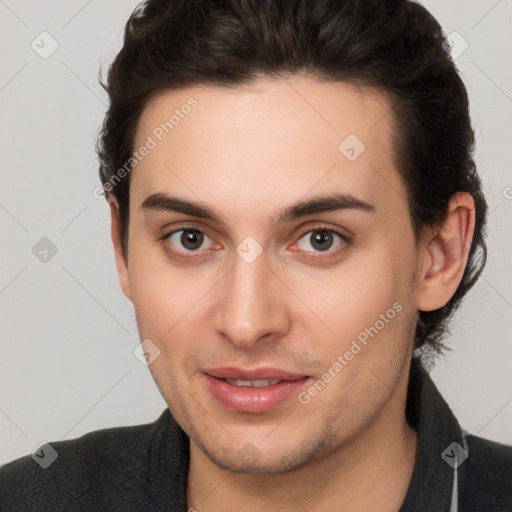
{"x":249,"y":459}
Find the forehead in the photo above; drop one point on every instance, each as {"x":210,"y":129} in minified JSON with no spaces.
{"x":260,"y":144}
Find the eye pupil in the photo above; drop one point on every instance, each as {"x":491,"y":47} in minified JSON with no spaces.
{"x":321,"y":237}
{"x":192,"y":239}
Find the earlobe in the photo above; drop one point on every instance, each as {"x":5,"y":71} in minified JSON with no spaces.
{"x":447,"y":254}
{"x":121,"y":263}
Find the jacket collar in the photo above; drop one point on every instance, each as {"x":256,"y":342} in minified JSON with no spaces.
{"x":436,"y":477}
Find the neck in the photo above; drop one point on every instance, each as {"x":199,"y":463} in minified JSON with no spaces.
{"x":370,"y":472}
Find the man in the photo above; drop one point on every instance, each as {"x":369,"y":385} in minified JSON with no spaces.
{"x":296,"y":216}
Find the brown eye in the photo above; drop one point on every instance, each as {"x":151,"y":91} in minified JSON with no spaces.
{"x":320,"y":240}
{"x":189,"y":239}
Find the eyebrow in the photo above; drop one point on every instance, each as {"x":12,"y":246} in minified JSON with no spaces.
{"x":320,"y":204}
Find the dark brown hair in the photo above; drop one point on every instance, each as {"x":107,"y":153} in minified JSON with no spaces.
{"x":394,"y":45}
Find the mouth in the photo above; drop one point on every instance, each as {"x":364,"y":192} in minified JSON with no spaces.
{"x":253,"y":391}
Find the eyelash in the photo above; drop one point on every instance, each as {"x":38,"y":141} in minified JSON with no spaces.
{"x":332,"y":253}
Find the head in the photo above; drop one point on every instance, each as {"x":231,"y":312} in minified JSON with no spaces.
{"x":327,"y":148}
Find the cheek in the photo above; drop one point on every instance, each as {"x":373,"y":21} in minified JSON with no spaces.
{"x":157,"y":286}
{"x":154,"y":295}
{"x":170,"y":305}
{"x":352,"y":297}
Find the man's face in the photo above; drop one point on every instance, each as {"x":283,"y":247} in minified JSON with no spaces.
{"x":247,"y":291}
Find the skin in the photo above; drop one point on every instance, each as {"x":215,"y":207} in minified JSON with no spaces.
{"x":248,"y":153}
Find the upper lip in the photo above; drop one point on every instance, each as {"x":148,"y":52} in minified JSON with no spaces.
{"x":231,"y":372}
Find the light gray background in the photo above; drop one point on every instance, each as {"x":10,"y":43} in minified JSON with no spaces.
{"x":68,"y":332}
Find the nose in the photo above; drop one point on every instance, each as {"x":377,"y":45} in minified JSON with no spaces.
{"x":251,"y":304}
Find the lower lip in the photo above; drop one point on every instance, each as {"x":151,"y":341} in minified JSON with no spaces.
{"x":254,"y":400}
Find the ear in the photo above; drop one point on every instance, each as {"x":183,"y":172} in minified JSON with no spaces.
{"x":446,"y":254}
{"x":121,"y":263}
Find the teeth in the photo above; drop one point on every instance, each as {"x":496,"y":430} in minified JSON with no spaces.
{"x":252,"y":383}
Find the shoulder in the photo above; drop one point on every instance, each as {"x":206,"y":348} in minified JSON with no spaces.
{"x":488,"y":475}
{"x":109,"y":462}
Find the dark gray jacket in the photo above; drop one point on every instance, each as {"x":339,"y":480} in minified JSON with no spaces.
{"x":144,"y":467}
